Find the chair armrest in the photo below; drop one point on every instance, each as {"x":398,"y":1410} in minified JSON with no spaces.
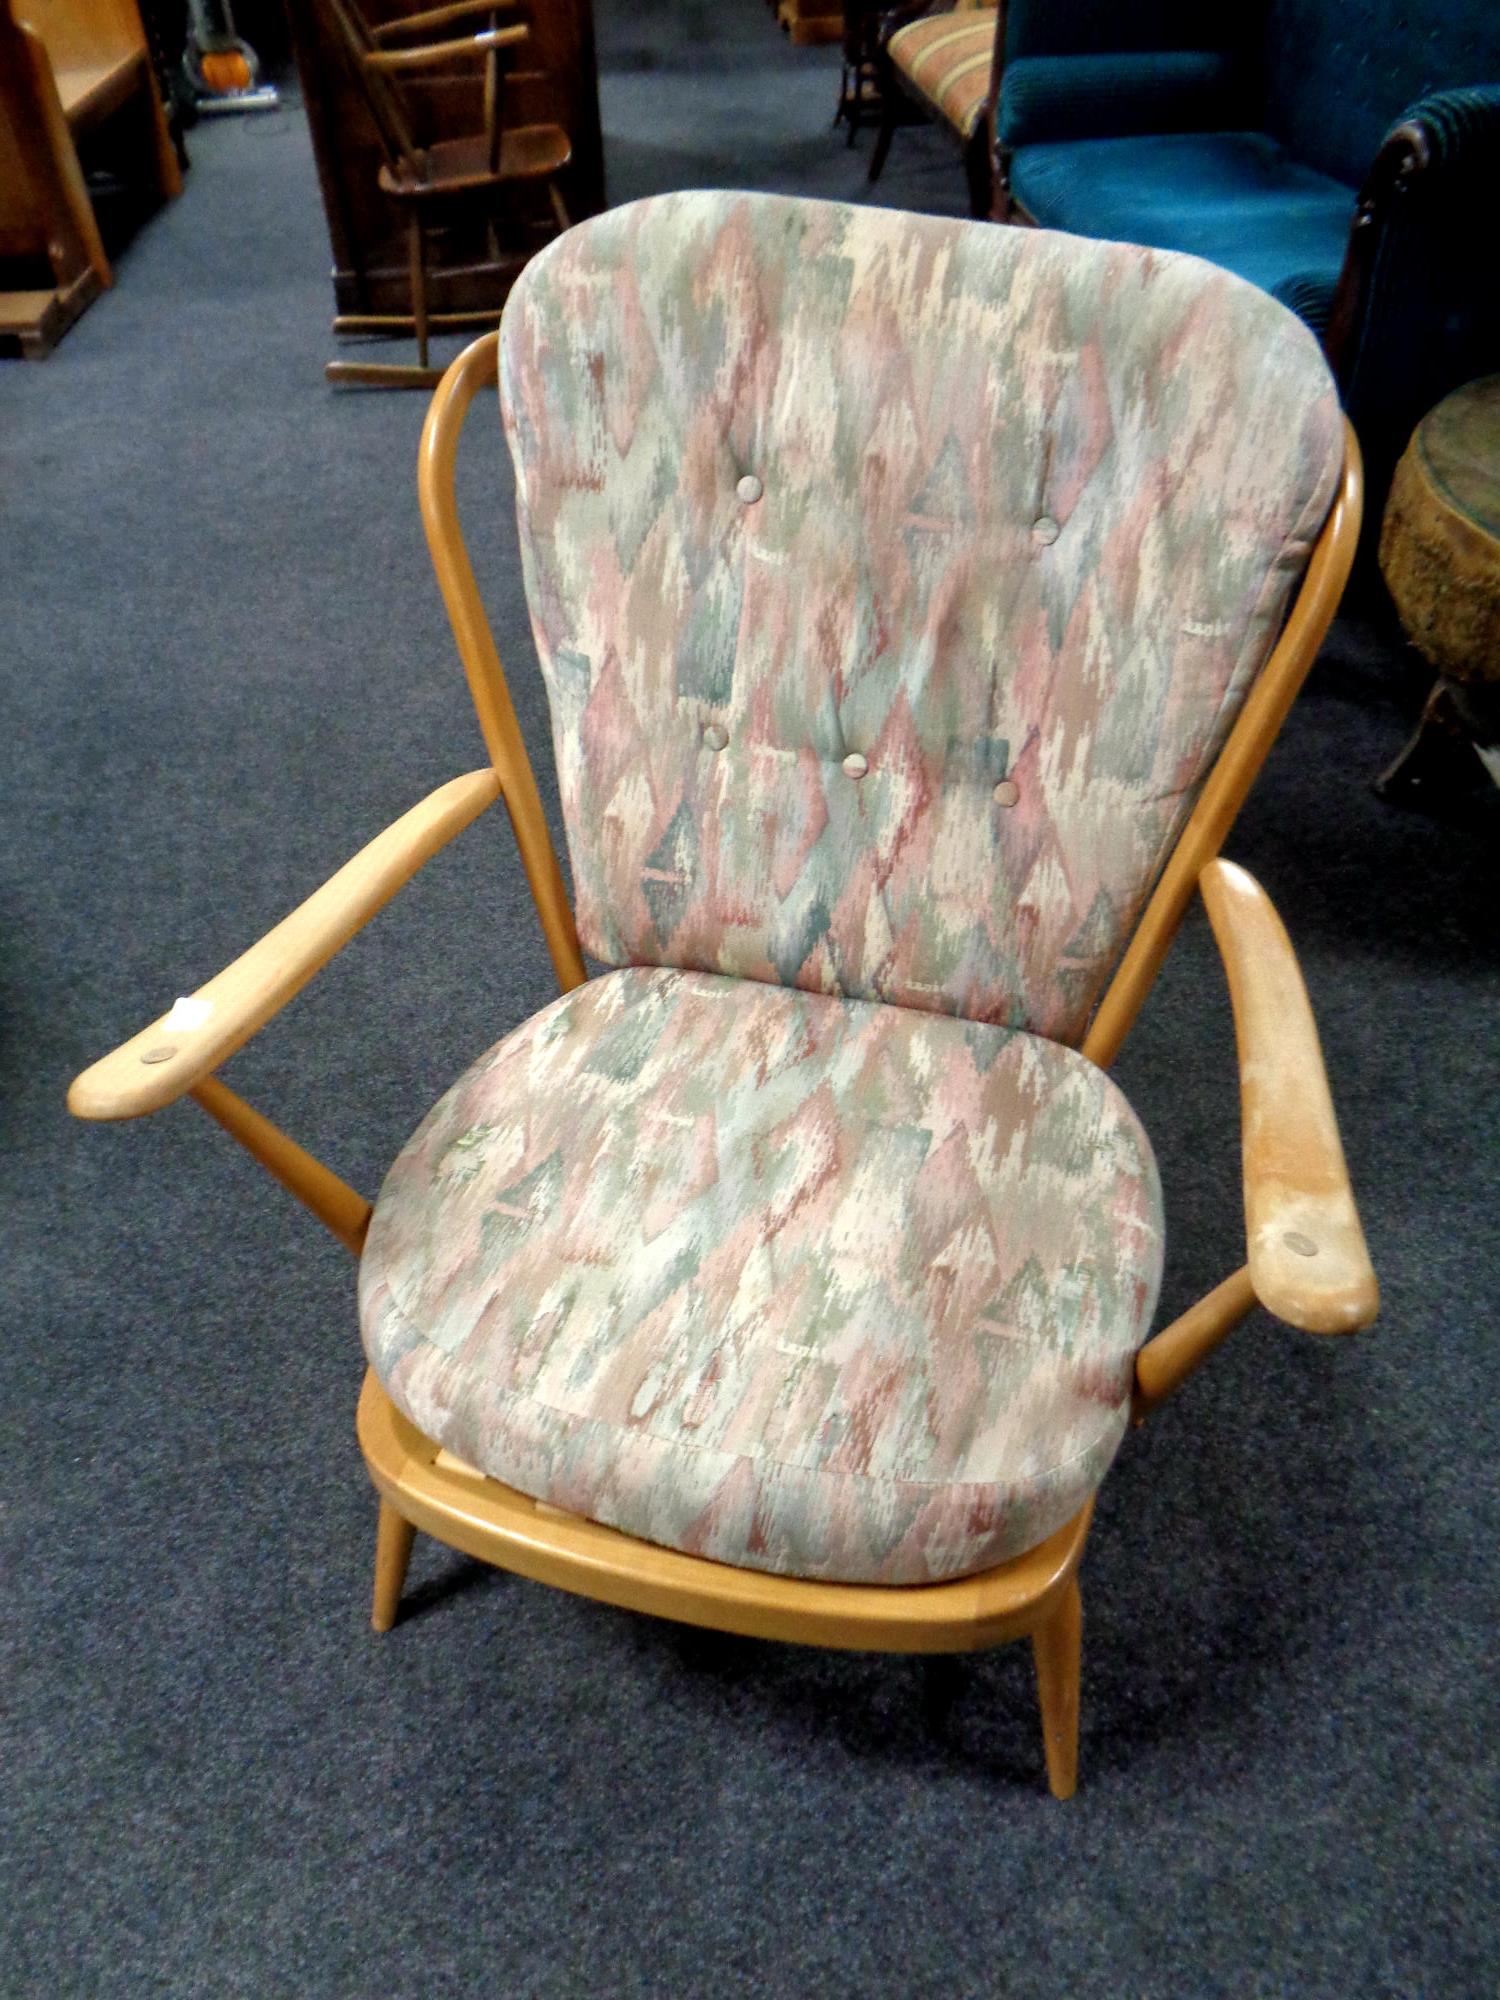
{"x":1446,"y":132}
{"x":427,"y":53}
{"x":1048,"y":97}
{"x":178,"y":1050}
{"x":440,"y":17}
{"x":1443,"y":147}
{"x":1305,"y":1248}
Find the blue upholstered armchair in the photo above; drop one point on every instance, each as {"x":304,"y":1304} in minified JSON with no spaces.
{"x":1338,"y":153}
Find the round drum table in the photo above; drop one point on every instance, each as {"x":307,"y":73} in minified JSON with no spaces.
{"x":1440,"y":555}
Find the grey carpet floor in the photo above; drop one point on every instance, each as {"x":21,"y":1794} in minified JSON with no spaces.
{"x":225,"y":665}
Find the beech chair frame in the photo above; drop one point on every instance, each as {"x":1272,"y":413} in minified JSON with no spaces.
{"x":1306,"y":1260}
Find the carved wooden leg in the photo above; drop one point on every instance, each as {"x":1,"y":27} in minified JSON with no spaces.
{"x":978,"y":172}
{"x":1057,"y":1646}
{"x":889,"y":114}
{"x":417,"y":247}
{"x":393,"y":1540}
{"x":1458,"y":722}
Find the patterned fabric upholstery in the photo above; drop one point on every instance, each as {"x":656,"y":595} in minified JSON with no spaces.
{"x":947,"y":57}
{"x":836,"y":520}
{"x":894,"y":581}
{"x":807,"y":1285}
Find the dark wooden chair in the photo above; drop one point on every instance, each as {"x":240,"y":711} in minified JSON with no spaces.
{"x":484,"y":174}
{"x":937,"y":62}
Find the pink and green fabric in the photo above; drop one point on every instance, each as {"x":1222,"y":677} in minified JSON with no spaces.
{"x":895,"y":582}
{"x":812,"y":1285}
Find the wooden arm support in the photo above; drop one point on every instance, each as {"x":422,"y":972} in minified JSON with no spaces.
{"x":428,"y":53}
{"x":181,"y":1048}
{"x":1305,"y":1248}
{"x":440,"y":17}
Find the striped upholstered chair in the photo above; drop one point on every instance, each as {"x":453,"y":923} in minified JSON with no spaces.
{"x":916,"y":601}
{"x":943,"y":61}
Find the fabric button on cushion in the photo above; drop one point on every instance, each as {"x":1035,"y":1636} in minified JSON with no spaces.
{"x":750,"y":489}
{"x":715,"y":736}
{"x":891,"y":372}
{"x":855,"y":766}
{"x":810,"y":1285}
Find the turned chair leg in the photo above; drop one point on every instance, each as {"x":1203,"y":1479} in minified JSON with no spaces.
{"x":979,"y":174}
{"x":418,"y":249}
{"x":393,"y":1540}
{"x":883,"y":138}
{"x":1057,"y":1646}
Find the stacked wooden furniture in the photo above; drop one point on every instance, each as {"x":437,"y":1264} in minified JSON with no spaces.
{"x":484,"y":176}
{"x":557,"y":84}
{"x":68,"y":69}
{"x":810,"y":23}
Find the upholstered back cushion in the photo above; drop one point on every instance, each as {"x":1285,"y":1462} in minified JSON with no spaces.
{"x":895,"y":581}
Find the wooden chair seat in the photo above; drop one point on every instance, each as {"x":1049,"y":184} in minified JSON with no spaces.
{"x":462,"y":166}
{"x":89,"y":92}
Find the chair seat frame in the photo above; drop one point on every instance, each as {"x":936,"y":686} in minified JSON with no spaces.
{"x":1306,"y":1259}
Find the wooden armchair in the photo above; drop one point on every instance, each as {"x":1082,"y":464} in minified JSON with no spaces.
{"x":483,"y":173}
{"x":68,"y":69}
{"x":907,"y":672}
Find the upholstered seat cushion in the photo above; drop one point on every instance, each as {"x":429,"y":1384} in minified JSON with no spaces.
{"x":1236,"y":198}
{"x":805,"y":1284}
{"x":947,"y":57}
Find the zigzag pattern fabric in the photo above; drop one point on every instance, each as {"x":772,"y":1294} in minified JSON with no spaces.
{"x":895,"y":582}
{"x":814,"y":1286}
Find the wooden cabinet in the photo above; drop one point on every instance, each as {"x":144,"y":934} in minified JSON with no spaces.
{"x":556,"y":83}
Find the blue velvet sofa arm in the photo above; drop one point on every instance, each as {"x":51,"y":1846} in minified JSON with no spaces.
{"x":1460,"y":130}
{"x":1118,"y":96}
{"x":1417,"y":310}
